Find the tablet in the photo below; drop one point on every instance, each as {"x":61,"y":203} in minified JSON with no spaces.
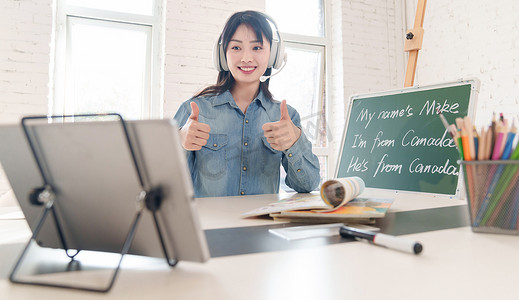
{"x":90,"y":167}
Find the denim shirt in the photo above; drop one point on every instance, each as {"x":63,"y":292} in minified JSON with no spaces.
{"x":237,"y":159}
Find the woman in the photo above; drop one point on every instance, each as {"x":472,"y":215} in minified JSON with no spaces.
{"x":235,"y":133}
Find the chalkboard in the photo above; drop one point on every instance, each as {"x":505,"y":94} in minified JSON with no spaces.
{"x":395,"y":140}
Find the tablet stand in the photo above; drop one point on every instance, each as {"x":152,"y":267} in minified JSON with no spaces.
{"x":151,"y":198}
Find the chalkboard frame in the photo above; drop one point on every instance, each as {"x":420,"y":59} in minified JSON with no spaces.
{"x":471,"y":111}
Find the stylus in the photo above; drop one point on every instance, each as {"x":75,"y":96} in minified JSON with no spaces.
{"x":381,"y":239}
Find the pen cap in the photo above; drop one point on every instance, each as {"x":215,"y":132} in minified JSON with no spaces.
{"x":337,"y":191}
{"x":398,"y":243}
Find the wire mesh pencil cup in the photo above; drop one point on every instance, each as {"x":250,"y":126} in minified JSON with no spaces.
{"x":493,"y":195}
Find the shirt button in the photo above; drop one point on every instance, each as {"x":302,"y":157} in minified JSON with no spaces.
{"x":243,"y":193}
{"x":214,"y":145}
{"x":289,"y":154}
{"x":298,"y":170}
{"x":247,"y":121}
{"x":244,"y":168}
{"x":246,"y":144}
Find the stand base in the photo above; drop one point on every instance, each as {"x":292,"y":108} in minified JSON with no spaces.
{"x":83,"y":270}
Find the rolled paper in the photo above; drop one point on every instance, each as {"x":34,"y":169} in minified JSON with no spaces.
{"x":337,"y":192}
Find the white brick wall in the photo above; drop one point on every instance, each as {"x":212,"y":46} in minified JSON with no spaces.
{"x":25,"y":36}
{"x":368,"y":50}
{"x":369,"y":43}
{"x":475,"y":38}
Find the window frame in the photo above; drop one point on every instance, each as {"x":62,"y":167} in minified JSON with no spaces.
{"x":325,"y":42}
{"x":152,"y":104}
{"x":316,"y":49}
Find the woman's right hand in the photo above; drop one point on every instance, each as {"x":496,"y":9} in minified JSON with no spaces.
{"x":194,"y":134}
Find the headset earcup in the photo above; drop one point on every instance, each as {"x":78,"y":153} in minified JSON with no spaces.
{"x":219,"y":60}
{"x":216,"y":57}
{"x":273,"y":54}
{"x":277,"y":54}
{"x":280,"y":55}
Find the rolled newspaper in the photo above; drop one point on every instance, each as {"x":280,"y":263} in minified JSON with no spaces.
{"x":337,"y":192}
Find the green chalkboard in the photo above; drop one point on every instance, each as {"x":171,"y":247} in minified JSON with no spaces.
{"x":395,"y":140}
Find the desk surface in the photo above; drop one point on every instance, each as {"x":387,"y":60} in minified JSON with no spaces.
{"x":456,"y":264}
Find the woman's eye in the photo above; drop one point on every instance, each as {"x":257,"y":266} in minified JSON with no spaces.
{"x":257,"y":48}
{"x":235,"y":48}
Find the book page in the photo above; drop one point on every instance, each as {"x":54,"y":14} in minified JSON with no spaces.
{"x":334,"y":194}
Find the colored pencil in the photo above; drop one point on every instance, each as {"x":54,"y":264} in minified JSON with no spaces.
{"x":505,"y":130}
{"x":506,"y":199}
{"x":459,"y":123}
{"x":494,"y":134}
{"x":476,"y":142}
{"x":460,"y":146}
{"x":497,"y":145}
{"x":454,"y":134}
{"x":507,"y":151}
{"x":495,"y":192}
{"x":488,"y":147}
{"x":466,"y":145}
{"x":515,"y":153}
{"x":471,"y":177}
{"x":482,"y":144}
{"x":510,"y":220}
{"x":444,"y":121}
{"x":451,"y":129}
{"x":484,"y":213}
{"x":515,"y":219}
{"x":470,"y":134}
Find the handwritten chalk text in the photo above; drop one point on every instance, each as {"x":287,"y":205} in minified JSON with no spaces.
{"x":433,"y":107}
{"x":378,"y":142}
{"x":412,"y":140}
{"x":417,"y":167}
{"x":383,"y":167}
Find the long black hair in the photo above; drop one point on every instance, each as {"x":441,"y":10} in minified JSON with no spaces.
{"x":261,"y":27}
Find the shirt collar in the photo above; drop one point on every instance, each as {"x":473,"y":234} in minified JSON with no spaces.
{"x":223,"y":98}
{"x":264,"y":101}
{"x":226,"y":97}
{"x":270,"y":106}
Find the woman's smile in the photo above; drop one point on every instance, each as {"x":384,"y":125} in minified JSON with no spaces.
{"x":247,"y":69}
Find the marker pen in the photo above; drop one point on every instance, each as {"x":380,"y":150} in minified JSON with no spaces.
{"x":381,"y":239}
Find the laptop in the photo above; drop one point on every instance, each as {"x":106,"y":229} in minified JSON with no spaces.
{"x":92,"y":172}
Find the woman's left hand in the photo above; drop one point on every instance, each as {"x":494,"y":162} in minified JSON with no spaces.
{"x":282,"y":134}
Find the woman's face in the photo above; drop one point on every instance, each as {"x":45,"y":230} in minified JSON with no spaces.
{"x":247,"y":57}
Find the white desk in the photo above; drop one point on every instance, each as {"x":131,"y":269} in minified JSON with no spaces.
{"x":456,"y":264}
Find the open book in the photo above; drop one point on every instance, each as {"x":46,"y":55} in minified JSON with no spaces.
{"x":337,"y":201}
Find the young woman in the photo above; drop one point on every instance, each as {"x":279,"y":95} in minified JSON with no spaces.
{"x":234,"y":133}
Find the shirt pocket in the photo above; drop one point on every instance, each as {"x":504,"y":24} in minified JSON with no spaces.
{"x":269,"y":159}
{"x":212,"y":161}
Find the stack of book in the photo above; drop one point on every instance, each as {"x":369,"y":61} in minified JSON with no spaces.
{"x":347,"y":207}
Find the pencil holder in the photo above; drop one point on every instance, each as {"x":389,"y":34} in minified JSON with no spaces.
{"x":493,"y":195}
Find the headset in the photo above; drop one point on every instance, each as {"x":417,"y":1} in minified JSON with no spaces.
{"x":277,"y":58}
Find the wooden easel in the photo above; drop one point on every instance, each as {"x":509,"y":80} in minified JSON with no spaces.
{"x":413,"y":43}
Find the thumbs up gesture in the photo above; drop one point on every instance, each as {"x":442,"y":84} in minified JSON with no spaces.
{"x":282,"y":134}
{"x":194,"y":134}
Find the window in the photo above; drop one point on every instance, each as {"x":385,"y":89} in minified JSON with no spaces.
{"x":303,"y":80}
{"x":107,"y":58}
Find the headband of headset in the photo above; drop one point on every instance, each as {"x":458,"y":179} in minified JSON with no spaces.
{"x":276,"y":50}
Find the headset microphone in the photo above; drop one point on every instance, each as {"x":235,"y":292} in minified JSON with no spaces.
{"x":264,"y":78}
